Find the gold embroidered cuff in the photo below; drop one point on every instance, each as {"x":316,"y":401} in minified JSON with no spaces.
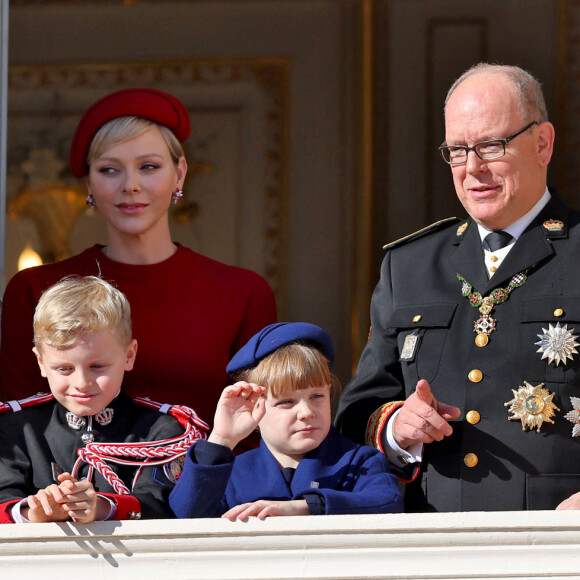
{"x":377,"y":422}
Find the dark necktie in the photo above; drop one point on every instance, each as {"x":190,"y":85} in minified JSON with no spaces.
{"x":288,"y":473}
{"x":498,"y":240}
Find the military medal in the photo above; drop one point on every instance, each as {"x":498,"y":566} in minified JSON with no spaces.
{"x":574,"y":416}
{"x":486,"y":324}
{"x":557,"y":343}
{"x":532,"y":406}
{"x":174,"y":468}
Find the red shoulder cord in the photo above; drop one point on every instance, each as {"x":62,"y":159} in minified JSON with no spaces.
{"x":145,"y":454}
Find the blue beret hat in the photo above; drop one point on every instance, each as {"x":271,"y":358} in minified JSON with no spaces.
{"x":273,"y":337}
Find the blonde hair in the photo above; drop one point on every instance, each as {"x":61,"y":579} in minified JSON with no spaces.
{"x":123,"y":128}
{"x":295,"y":366}
{"x":80,"y":305}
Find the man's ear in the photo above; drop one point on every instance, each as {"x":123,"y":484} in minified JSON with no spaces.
{"x":545,"y":142}
{"x":39,"y":360}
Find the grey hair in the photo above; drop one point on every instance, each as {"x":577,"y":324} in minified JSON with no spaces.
{"x":528,"y":89}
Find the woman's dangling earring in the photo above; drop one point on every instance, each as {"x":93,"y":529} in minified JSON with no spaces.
{"x":91,"y":201}
{"x":177,"y":196}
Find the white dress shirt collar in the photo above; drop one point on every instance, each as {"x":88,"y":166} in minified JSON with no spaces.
{"x":493,"y":260}
{"x":517,"y":228}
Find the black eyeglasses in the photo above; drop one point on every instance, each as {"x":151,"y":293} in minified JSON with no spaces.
{"x":486,"y":150}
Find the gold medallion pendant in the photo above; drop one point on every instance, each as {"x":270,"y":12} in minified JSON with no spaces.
{"x":532,"y":406}
{"x":557,"y":343}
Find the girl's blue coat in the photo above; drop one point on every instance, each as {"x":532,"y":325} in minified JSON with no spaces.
{"x":352,"y":479}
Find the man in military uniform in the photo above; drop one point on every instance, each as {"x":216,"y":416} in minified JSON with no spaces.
{"x":470,"y":381}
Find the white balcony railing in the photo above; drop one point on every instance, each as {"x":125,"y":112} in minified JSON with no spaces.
{"x":458,"y":545}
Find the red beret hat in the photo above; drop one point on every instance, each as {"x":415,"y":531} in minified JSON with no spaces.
{"x":157,"y":106}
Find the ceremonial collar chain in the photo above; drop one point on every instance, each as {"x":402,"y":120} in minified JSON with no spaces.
{"x":485,"y":324}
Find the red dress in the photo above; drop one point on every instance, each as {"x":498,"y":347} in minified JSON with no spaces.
{"x":190,"y":316}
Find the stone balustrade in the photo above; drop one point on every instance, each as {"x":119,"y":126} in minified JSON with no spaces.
{"x":457,"y":545}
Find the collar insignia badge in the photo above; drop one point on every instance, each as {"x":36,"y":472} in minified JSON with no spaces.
{"x":532,"y":406}
{"x":75,"y":422}
{"x":557,"y":343}
{"x":553,"y":225}
{"x":103,"y":418}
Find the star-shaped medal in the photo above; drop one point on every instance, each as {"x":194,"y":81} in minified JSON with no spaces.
{"x":532,"y":406}
{"x":557,"y":343}
{"x":574,"y":416}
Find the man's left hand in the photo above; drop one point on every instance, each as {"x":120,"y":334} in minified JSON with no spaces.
{"x":572,"y":503}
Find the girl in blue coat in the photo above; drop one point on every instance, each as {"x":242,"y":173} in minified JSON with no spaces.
{"x":303,"y":465}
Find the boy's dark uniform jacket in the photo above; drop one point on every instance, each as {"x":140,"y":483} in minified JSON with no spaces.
{"x":35,"y":437}
{"x":419,"y":292}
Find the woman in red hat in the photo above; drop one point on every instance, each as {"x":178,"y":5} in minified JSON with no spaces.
{"x":190,"y":313}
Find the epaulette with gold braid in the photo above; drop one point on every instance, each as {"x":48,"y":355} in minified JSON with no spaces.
{"x":421,"y":233}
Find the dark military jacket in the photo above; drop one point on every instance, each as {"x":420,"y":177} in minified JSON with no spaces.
{"x":511,"y":467}
{"x":35,"y":438}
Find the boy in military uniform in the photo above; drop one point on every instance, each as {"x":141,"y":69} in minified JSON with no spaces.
{"x":54,"y":448}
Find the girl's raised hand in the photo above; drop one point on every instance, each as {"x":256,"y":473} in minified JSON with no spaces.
{"x":239,"y":410}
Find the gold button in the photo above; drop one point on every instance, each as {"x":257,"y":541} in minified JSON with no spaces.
{"x":473,"y":417}
{"x":493,"y":269}
{"x":417,"y":317}
{"x":475,"y":376}
{"x":470,"y":460}
{"x":558,"y":312}
{"x":481,"y":340}
{"x":494,"y":258}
